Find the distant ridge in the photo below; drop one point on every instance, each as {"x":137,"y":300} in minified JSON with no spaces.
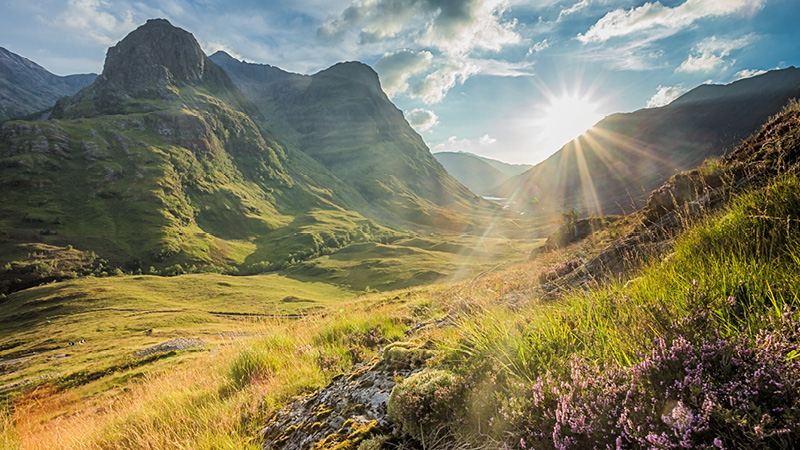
{"x":27,"y":87}
{"x":482,"y":175}
{"x":611,"y":167}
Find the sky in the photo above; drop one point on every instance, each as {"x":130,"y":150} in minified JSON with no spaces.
{"x":512,"y":80}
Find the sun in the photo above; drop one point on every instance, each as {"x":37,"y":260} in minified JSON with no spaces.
{"x":567,"y":117}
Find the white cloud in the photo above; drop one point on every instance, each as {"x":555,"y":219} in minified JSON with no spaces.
{"x":451,"y":26}
{"x":212,"y":47}
{"x":433,"y":88}
{"x":451,"y":31}
{"x":539,"y":46}
{"x":665,"y":95}
{"x":748,"y":73}
{"x":395,"y":69}
{"x":711,"y":53}
{"x":573,"y":9}
{"x":478,"y":145}
{"x":621,"y":22}
{"x":636,"y":54}
{"x":499,"y":68}
{"x":422,"y":119}
{"x":90,"y":18}
{"x":463,"y":26}
{"x":486,"y":140}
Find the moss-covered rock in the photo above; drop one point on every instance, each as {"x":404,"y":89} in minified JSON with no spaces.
{"x":405,"y":355}
{"x":427,"y":403}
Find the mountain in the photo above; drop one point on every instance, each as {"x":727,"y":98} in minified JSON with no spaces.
{"x":26,"y":87}
{"x":612,"y":166}
{"x":342,"y":119}
{"x":162,"y":162}
{"x":482,"y":175}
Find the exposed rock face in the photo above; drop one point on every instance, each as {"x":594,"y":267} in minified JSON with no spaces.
{"x":351,"y":409}
{"x":26,"y":87}
{"x":152,"y":62}
{"x":170,"y":346}
{"x":153,"y":56}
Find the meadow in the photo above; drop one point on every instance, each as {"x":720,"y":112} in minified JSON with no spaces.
{"x":691,"y":342}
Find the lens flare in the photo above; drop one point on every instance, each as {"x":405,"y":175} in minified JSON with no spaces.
{"x":567,"y":117}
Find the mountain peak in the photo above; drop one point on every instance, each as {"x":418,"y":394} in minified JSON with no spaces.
{"x":222,"y":55}
{"x":149,"y":63}
{"x":354,"y":71}
{"x":154,"y":55}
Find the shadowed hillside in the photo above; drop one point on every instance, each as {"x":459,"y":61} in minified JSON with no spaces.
{"x":612,"y":167}
{"x":341,"y":118}
{"x":27,"y":88}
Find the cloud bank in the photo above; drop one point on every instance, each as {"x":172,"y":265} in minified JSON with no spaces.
{"x":621,"y":22}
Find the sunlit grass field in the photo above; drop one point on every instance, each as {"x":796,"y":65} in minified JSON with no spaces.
{"x":268,"y":337}
{"x":695,"y":346}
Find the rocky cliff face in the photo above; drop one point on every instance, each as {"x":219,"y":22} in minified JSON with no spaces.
{"x":152,"y":63}
{"x":155,"y":55}
{"x":26,"y":87}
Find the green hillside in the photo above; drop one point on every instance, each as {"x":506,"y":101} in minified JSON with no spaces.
{"x":342,"y":119}
{"x":158,"y":165}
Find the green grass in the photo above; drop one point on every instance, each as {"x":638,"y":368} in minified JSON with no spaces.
{"x":119,"y":315}
{"x":413,"y":261}
{"x":734,"y":272}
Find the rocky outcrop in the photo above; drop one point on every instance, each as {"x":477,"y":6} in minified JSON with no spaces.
{"x":154,"y":56}
{"x":574,"y":230}
{"x":151,"y":63}
{"x":171,"y":345}
{"x":350,"y":410}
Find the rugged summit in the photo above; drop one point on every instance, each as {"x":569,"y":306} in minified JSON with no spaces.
{"x":26,"y":87}
{"x":157,"y":55}
{"x":613,"y":165}
{"x":152,"y":63}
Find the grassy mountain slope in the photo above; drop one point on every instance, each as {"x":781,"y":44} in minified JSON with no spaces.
{"x":472,"y":171}
{"x":504,"y":167}
{"x":160,"y":162}
{"x":26,"y":87}
{"x":342,"y":119}
{"x":617,"y":162}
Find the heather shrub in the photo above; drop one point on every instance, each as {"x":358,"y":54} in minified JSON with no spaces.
{"x":427,"y":404}
{"x":708,"y":392}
